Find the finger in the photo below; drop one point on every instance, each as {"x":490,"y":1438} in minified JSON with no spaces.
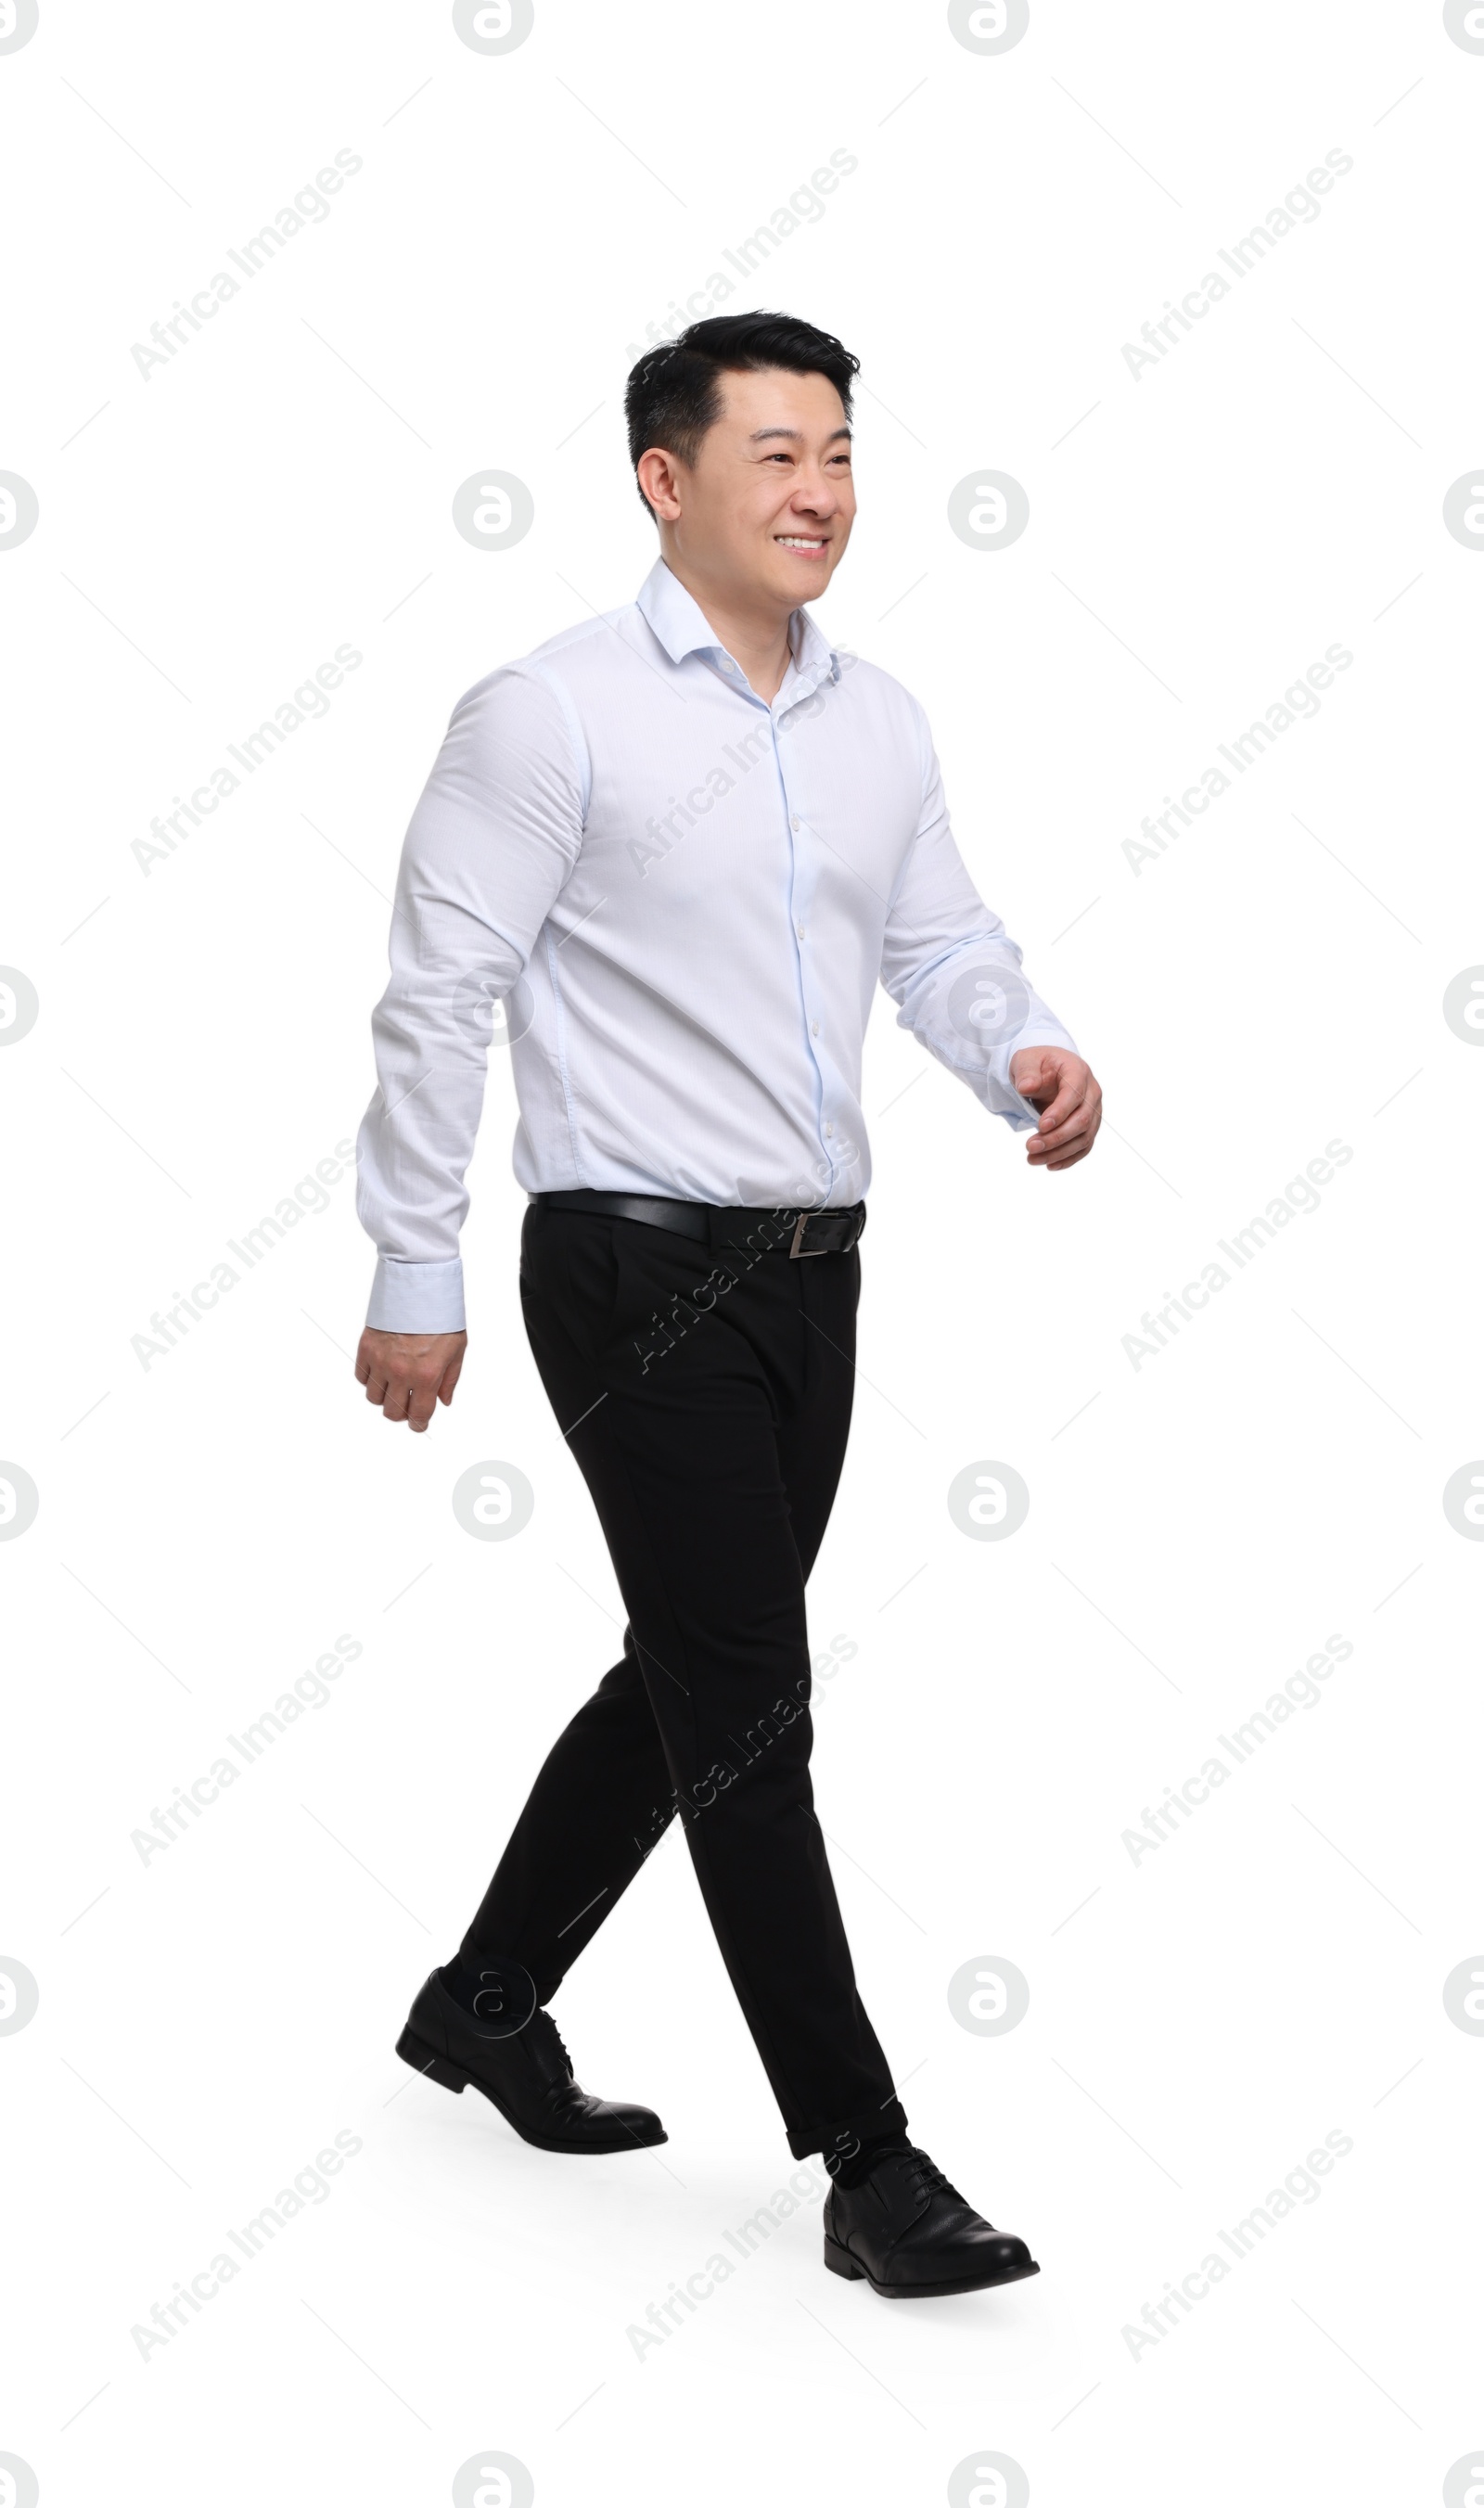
{"x":1071,"y":1092}
{"x":1049,"y":1067}
{"x":1057,"y":1137}
{"x":419,"y":1407}
{"x":1067,"y":1109}
{"x":395,"y":1405}
{"x":1079,"y":1092}
{"x":1039,"y":1077}
{"x":375,"y":1382}
{"x":1042,"y":1079}
{"x":1075,"y":1143}
{"x":1080,"y":1148}
{"x":451,"y":1375}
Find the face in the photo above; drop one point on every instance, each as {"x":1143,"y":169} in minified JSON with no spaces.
{"x":765,"y":512}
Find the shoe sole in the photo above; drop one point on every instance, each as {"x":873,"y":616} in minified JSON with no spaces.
{"x":450,"y":2076}
{"x":839,"y":2261}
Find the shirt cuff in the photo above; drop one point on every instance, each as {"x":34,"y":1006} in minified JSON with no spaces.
{"x":415,"y":1297}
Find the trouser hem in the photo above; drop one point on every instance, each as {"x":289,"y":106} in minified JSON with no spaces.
{"x":867,"y":2127}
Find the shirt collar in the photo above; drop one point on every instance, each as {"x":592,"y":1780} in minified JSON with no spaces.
{"x":682,"y":627}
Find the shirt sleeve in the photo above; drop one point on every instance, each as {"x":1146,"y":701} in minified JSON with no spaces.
{"x":492,"y":842}
{"x":952,"y":968}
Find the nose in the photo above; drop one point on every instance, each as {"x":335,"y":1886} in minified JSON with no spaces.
{"x":816,"y":495}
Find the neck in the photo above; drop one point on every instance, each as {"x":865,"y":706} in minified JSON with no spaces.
{"x":757,"y":638}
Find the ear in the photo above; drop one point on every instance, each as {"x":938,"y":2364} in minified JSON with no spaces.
{"x":659,"y":474}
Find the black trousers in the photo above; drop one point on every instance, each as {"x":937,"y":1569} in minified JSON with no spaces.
{"x":705,"y":1391}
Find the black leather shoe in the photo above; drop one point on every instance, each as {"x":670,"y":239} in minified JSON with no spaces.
{"x":527,"y":2075}
{"x":911,"y":2235}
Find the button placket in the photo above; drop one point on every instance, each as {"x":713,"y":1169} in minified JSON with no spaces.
{"x":796,"y":829}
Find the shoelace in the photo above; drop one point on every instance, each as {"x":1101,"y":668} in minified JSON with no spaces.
{"x":563,"y":2090}
{"x":925,"y":2176}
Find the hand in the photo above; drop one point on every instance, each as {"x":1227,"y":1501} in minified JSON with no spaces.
{"x":405,"y":1373}
{"x":1061,"y":1086}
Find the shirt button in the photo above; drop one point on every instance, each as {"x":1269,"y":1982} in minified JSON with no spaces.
{"x":793,"y":824}
{"x":799,"y":928}
{"x":814,"y":1027}
{"x":829,"y":1131}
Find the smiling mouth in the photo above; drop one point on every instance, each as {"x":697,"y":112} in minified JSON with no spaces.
{"x":803,"y":543}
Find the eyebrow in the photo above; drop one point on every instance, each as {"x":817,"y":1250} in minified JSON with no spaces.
{"x":761,"y":435}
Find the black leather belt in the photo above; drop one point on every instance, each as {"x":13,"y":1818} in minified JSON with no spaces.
{"x":814,"y":1232}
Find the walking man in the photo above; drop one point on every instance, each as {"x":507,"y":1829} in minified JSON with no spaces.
{"x":681,"y":844}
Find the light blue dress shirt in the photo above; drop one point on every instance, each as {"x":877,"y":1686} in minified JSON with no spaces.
{"x":673,"y":903}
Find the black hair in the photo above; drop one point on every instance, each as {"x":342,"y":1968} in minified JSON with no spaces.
{"x":674,"y":392}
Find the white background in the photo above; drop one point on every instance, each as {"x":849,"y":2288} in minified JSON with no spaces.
{"x":1199,"y":2020}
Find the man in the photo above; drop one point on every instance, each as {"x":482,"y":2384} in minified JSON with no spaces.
{"x":682,"y":843}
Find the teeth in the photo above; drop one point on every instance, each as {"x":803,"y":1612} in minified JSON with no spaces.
{"x":793,"y":542}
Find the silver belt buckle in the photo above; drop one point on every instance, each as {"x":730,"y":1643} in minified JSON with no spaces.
{"x":799,"y":1251}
